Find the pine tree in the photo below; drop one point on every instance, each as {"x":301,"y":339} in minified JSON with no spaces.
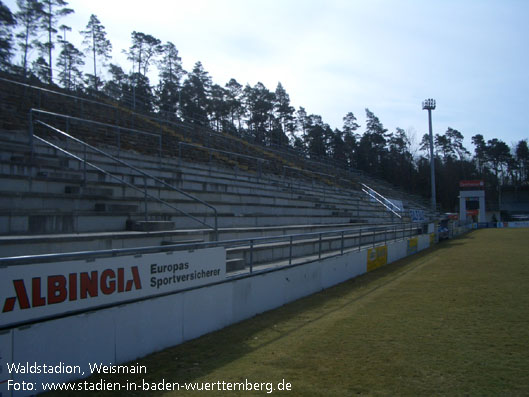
{"x":170,"y":72}
{"x":195,"y":93}
{"x":350,"y":138}
{"x":443,"y":145}
{"x":139,"y":92}
{"x":234,"y":93}
{"x":317,"y":136}
{"x":69,"y":61}
{"x":144,"y":49}
{"x":52,"y":11}
{"x":498,"y":155}
{"x":480,"y":151}
{"x":7,"y":23}
{"x":28,"y":15}
{"x":218,"y":107}
{"x":456,"y":141}
{"x":96,"y":44}
{"x":284,"y":113}
{"x":41,"y":69}
{"x":522,"y":158}
{"x":371,"y":149}
{"x":260,"y":105}
{"x":115,"y":86}
{"x":302,"y":121}
{"x":399,"y":161}
{"x":338,"y":148}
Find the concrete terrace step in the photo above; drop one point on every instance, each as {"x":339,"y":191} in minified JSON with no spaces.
{"x":157,"y":167}
{"x":149,"y":226}
{"x":245,"y":205}
{"x":17,"y":245}
{"x":212,"y":186}
{"x":55,"y":221}
{"x":235,"y":188}
{"x":243,"y":198}
{"x":159,"y":161}
{"x":208,"y":173}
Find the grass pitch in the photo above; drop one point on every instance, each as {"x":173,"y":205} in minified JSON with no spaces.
{"x":451,"y":320}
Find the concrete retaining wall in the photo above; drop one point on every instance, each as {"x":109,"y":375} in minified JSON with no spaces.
{"x":126,"y":332}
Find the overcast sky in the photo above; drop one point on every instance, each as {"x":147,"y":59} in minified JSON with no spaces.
{"x":335,"y":56}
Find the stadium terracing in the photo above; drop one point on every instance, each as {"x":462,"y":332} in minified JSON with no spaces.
{"x":90,"y":189}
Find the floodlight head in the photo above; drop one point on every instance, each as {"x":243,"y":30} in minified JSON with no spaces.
{"x":428,"y":104}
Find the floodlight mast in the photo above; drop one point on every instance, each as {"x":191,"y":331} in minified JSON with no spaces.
{"x":429,"y":104}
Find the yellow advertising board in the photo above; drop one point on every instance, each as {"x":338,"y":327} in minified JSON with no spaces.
{"x":413,"y":244}
{"x":376,"y":257}
{"x":432,"y":239}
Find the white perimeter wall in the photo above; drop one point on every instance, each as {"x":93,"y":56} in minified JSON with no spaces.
{"x":127,"y":332}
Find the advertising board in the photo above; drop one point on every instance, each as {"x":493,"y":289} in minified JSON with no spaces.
{"x":42,"y":290}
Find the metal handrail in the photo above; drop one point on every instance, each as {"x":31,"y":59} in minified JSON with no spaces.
{"x":316,"y":254}
{"x":152,"y":134}
{"x":98,"y":123}
{"x":380,"y":202}
{"x":75,"y":97}
{"x":253,"y":242}
{"x":145,"y":174}
{"x":362,"y":239}
{"x":158,"y":137}
{"x":369,"y":191}
{"x":381,"y":196}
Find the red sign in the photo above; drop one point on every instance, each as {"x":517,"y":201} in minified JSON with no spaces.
{"x":61,"y":288}
{"x":44,"y":290}
{"x":472,"y":183}
{"x":473,"y":212}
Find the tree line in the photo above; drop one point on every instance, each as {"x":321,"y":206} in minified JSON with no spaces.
{"x":33,"y":33}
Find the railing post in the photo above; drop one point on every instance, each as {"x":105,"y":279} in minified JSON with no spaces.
{"x":251,"y":256}
{"x":31,"y":132}
{"x":119,"y":142}
{"x":359,"y":240}
{"x":319,"y":248}
{"x":290,"y":251}
{"x":66,"y":145}
{"x":374,"y":233}
{"x":145,"y":202}
{"x":180,"y":153}
{"x":341,"y":250}
{"x":160,"y":147}
{"x":385,"y":235}
{"x":216,"y":226}
{"x":84,"y":165}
